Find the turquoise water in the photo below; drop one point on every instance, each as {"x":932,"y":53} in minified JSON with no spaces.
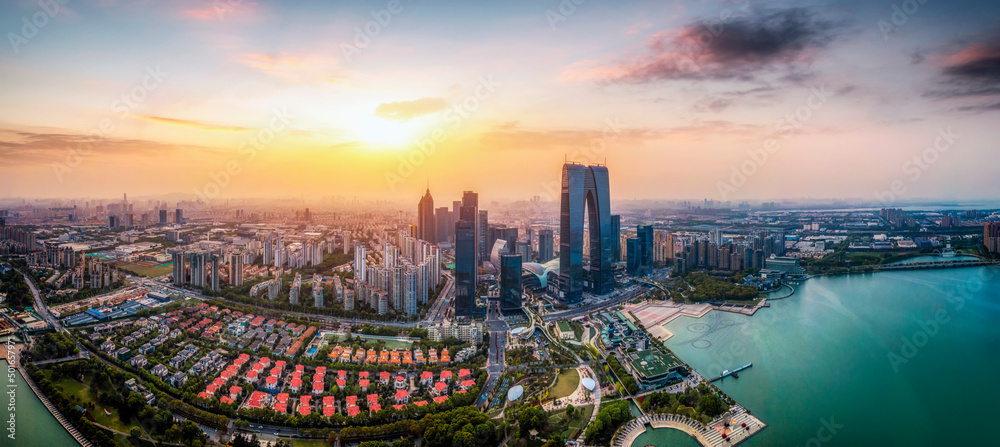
{"x":664,"y":437}
{"x":34,"y":425}
{"x":936,"y":259}
{"x":891,"y":358}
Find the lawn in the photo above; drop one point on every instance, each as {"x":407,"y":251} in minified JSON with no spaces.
{"x":83,"y":392}
{"x":567,"y":427}
{"x":566,"y":383}
{"x":151,"y":272}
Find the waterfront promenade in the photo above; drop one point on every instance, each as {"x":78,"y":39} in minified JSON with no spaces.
{"x":742,"y":426}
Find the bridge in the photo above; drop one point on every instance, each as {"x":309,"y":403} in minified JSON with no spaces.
{"x":937,"y":264}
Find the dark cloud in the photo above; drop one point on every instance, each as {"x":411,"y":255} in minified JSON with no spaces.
{"x":765,"y":41}
{"x":406,"y":110}
{"x":971,"y":73}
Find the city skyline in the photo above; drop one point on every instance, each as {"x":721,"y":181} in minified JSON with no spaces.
{"x":638,"y":86}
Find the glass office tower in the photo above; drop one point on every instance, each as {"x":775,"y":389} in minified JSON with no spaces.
{"x":585,"y":188}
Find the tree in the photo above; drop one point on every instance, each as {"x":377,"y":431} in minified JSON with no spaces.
{"x":532,"y":418}
{"x":136,"y":432}
{"x":464,"y":439}
{"x":570,"y":410}
{"x":245,"y":440}
{"x":711,"y":405}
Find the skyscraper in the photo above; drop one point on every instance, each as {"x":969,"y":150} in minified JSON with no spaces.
{"x":465,"y":268}
{"x":179,"y":216}
{"x":616,"y":232}
{"x":236,"y":269}
{"x":215,"y":272}
{"x":546,"y":248}
{"x":444,"y":223}
{"x":482,"y":232}
{"x":585,"y":187}
{"x":426,"y":229}
{"x":163,"y":217}
{"x":645,"y":234}
{"x":469,"y":212}
{"x":510,"y":283}
{"x":633,"y":254}
{"x":360,"y":266}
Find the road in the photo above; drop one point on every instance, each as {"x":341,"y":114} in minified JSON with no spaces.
{"x":440,"y":307}
{"x":626,"y":295}
{"x":495,"y":363}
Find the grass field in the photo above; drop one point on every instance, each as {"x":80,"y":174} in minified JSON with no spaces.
{"x":566,"y":383}
{"x":83,"y":392}
{"x":567,"y":427}
{"x":389,"y":344}
{"x":151,"y":272}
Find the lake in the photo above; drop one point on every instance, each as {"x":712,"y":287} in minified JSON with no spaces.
{"x":890,"y":358}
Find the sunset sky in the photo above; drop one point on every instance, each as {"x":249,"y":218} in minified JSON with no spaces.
{"x":672,"y":94}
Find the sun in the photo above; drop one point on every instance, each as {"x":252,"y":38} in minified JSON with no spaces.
{"x":383,"y":132}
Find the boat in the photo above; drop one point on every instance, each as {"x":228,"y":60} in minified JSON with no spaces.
{"x":726,"y":373}
{"x":736,"y":375}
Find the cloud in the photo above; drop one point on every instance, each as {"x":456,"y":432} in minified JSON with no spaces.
{"x":25,"y":147}
{"x":297,"y":68}
{"x":783,"y":41}
{"x":194,"y":124}
{"x":511,"y":136}
{"x":969,"y":72}
{"x":220,"y":10}
{"x":406,"y":110}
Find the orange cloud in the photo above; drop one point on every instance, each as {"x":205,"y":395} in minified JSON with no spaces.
{"x":405,"y":110}
{"x":296,"y":68}
{"x":221,"y":10}
{"x":193,"y":124}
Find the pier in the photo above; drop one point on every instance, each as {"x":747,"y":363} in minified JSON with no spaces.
{"x":729,"y":373}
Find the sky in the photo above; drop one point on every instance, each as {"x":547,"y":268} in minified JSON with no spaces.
{"x":719,"y":100}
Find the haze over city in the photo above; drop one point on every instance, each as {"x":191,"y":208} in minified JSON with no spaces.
{"x":674,"y":93}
